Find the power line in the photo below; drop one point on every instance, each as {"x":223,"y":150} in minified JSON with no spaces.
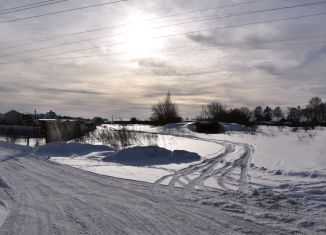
{"x":173,"y":35}
{"x":129,"y":23}
{"x":26,"y":5}
{"x":195,"y":20}
{"x":62,"y":11}
{"x":31,"y":7}
{"x":173,"y":50}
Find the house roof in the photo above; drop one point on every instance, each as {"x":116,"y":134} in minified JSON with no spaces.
{"x":277,"y":119}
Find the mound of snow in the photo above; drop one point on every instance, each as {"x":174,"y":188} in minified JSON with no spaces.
{"x":174,"y":125}
{"x":179,"y":128}
{"x":151,"y":155}
{"x":191,"y":126}
{"x":227,"y":127}
{"x":64,"y":149}
{"x":17,"y":147}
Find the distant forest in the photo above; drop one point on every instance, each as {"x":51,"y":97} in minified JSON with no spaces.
{"x":314,"y":113}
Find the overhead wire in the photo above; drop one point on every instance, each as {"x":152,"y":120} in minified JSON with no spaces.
{"x":130,"y":23}
{"x":32,"y":7}
{"x":169,"y":25}
{"x":176,"y":50}
{"x":172,"y":35}
{"x":62,"y":11}
{"x":26,"y":5}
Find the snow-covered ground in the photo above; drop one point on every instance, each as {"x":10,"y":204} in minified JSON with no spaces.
{"x":278,"y":158}
{"x":33,"y":142}
{"x":40,"y":197}
{"x":92,"y":161}
{"x":274,"y":177}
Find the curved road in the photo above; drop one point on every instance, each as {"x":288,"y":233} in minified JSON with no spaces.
{"x":41,"y":197}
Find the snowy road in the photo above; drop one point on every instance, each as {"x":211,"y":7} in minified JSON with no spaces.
{"x":41,"y":197}
{"x":214,"y":196}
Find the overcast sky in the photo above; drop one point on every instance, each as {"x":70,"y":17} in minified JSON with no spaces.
{"x":132,"y":63}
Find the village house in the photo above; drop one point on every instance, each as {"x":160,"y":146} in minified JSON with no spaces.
{"x":51,"y":115}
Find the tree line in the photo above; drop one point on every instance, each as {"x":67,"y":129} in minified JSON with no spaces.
{"x":166,"y":111}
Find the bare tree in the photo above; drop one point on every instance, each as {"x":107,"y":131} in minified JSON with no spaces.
{"x":315,"y":107}
{"x":165,"y":111}
{"x":294,"y":114}
{"x":258,"y":113}
{"x":215,"y":111}
{"x":268,"y":113}
{"x":277,"y":112}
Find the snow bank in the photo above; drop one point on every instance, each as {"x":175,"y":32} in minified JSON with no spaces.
{"x":234,"y":127}
{"x":151,"y":155}
{"x":174,"y":125}
{"x":178,"y":128}
{"x":63,"y":149}
{"x":9,"y":148}
{"x":188,"y":127}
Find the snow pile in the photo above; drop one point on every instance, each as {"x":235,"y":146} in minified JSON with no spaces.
{"x":63,"y":149}
{"x":189,"y":127}
{"x":177,"y":128}
{"x":151,"y":155}
{"x":233,"y":127}
{"x":12,"y":148}
{"x":174,"y":125}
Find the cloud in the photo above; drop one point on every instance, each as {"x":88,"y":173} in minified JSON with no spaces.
{"x":76,"y":91}
{"x":156,"y":67}
{"x":203,"y":39}
{"x":277,"y":63}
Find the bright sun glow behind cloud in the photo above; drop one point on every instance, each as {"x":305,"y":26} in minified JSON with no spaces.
{"x":139,"y":38}
{"x":131,"y":63}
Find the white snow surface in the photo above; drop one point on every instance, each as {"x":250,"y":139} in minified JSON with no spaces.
{"x":277,"y":152}
{"x":272,"y":181}
{"x":64,"y":149}
{"x":151,"y":155}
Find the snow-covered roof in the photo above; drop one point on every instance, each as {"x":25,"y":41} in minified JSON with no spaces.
{"x":303,"y":119}
{"x":50,"y":115}
{"x":48,"y":119}
{"x":277,"y":119}
{"x":252,"y":119}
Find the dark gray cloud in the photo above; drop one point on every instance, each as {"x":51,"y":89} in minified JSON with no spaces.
{"x":152,"y":66}
{"x":76,"y":91}
{"x":156,"y":67}
{"x":269,"y":68}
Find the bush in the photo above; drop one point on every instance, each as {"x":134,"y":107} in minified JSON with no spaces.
{"x":165,"y":112}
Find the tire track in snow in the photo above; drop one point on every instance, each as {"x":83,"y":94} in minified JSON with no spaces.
{"x":3,"y":212}
{"x":218,"y":167}
{"x":3,"y":193}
